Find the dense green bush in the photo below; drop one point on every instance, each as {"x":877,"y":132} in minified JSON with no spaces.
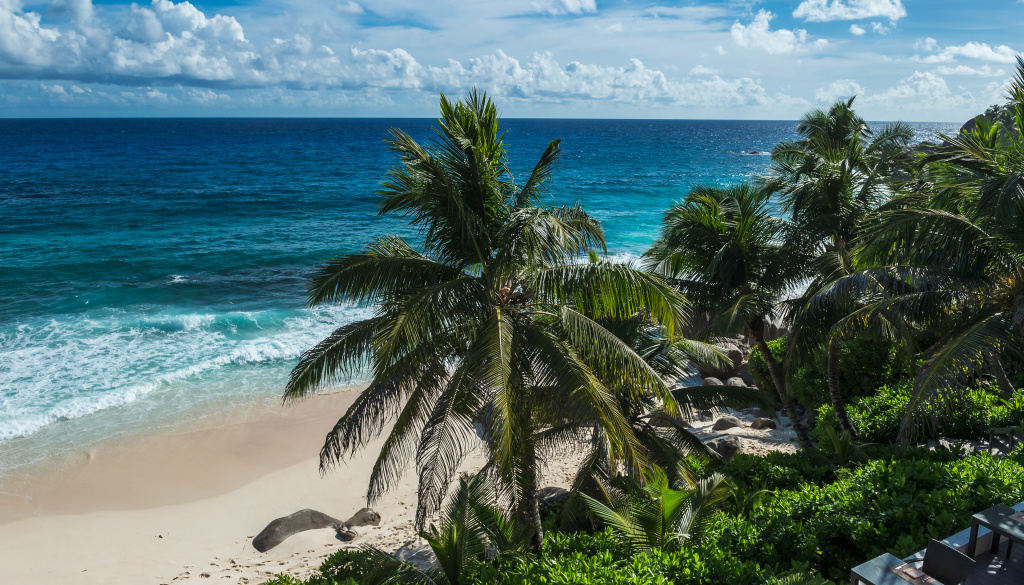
{"x":600,"y":558}
{"x":758,"y":367}
{"x":878,"y":417}
{"x":344,"y":567}
{"x":864,"y":366}
{"x":888,"y":505}
{"x":815,"y":518}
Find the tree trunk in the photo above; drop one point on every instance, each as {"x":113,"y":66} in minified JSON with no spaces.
{"x":1002,"y":380}
{"x":528,"y":521}
{"x":780,"y":388}
{"x":838,"y":404}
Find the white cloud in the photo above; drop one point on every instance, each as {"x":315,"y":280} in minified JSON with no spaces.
{"x":880,"y":28}
{"x":350,"y":8}
{"x":840,"y":88}
{"x":857,"y":30}
{"x":758,"y":35}
{"x":829,"y":10}
{"x":972,"y":50}
{"x":167,"y":45}
{"x":702,"y":70}
{"x":983,"y":71}
{"x":923,"y":89}
{"x":543,"y":78}
{"x":566,"y":6}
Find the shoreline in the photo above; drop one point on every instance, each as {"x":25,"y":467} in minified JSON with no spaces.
{"x":185,"y":504}
{"x":140,"y":510}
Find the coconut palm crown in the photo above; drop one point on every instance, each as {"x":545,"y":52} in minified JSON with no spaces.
{"x":736,"y":261}
{"x":489,"y":328}
{"x":835,"y":175}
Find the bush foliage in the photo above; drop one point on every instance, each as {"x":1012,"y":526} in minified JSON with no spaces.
{"x":815,"y":517}
{"x":878,"y":417}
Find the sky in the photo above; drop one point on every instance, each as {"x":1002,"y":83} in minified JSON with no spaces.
{"x":913,"y":60}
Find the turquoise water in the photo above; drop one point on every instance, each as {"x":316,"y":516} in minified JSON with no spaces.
{"x":151,"y":268}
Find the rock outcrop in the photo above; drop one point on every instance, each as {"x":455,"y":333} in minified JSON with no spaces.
{"x":726,"y":422}
{"x":277,"y":531}
{"x":725,"y":446}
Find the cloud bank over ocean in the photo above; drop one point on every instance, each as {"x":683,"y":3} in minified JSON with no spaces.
{"x":554,"y":56}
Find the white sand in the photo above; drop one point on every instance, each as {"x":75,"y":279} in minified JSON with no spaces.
{"x":185,"y":506}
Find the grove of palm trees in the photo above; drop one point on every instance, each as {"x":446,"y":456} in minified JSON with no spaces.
{"x":896,"y":274}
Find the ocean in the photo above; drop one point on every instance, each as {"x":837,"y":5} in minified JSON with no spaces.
{"x":153,"y":270}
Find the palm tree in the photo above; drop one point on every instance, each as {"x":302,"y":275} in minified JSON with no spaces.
{"x":486,"y":323}
{"x":735,"y":261}
{"x":949,"y":257}
{"x":833,"y":177}
{"x":656,"y":517}
{"x":662,"y":431}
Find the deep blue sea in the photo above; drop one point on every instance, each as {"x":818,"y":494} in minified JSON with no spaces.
{"x":153,"y":269}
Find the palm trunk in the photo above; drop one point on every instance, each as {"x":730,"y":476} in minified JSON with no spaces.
{"x":780,"y":388}
{"x":1002,"y":380}
{"x":529,"y":507}
{"x":838,"y":404}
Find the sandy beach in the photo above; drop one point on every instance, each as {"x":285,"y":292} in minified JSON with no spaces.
{"x":185,"y":505}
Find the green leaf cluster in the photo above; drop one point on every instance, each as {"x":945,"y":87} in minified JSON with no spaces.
{"x":894,"y":504}
{"x":878,"y":417}
{"x":864,"y":366}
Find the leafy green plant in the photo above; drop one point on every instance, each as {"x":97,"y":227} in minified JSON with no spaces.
{"x":342,"y":567}
{"x":656,"y":517}
{"x":879,"y":417}
{"x":891,"y":504}
{"x":602,"y":558}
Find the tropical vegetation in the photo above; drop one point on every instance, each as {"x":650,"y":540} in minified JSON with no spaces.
{"x":895,"y":273}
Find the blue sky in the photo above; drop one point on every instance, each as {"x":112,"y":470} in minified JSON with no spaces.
{"x":916,"y":60}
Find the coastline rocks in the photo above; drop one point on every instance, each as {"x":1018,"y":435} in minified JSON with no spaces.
{"x":726,"y":422}
{"x":725,"y":446}
{"x":277,"y":531}
{"x":364,"y":517}
{"x":735,"y":381}
{"x":713,"y":381}
{"x":763,"y":423}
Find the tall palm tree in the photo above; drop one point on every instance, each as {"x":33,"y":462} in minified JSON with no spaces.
{"x":736,"y":261}
{"x":949,"y":256}
{"x":836,"y":174}
{"x":491,"y":321}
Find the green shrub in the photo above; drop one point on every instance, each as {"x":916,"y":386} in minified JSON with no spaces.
{"x":776,"y":471}
{"x":344,"y":567}
{"x":1010,"y":413}
{"x":600,"y":558}
{"x":282,"y":579}
{"x":878,"y":417}
{"x":864,"y":366}
{"x":759,"y":369}
{"x":888,"y":505}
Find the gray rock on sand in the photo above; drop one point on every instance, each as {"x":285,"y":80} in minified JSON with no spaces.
{"x":277,"y":531}
{"x":552,"y":495}
{"x":725,"y":446}
{"x":726,"y":422}
{"x":763,"y":423}
{"x":712,"y":381}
